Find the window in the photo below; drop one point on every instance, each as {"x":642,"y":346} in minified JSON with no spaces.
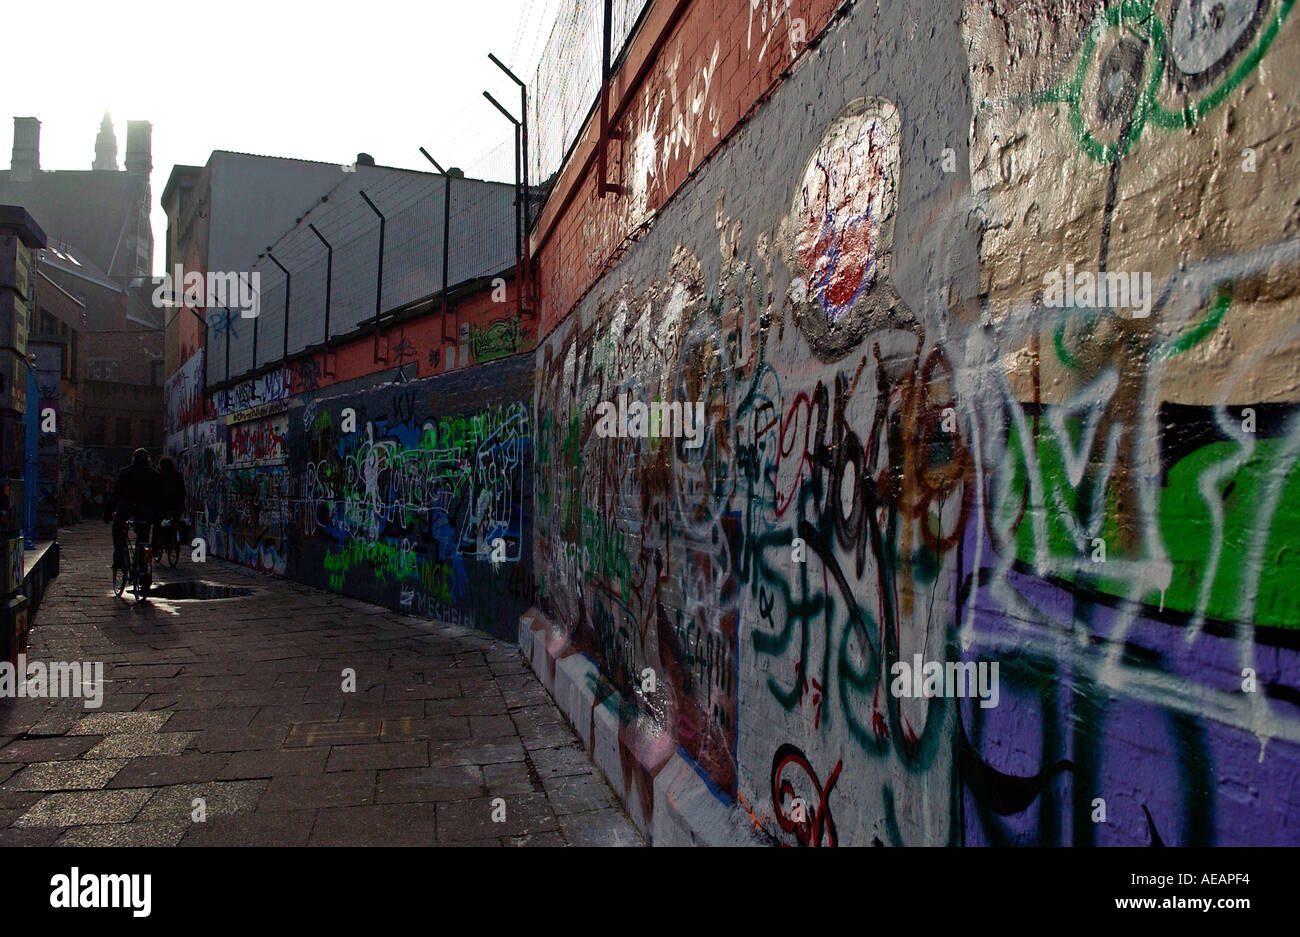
{"x":146,"y":433}
{"x":123,"y":431}
{"x":97,"y":430}
{"x":101,"y":369}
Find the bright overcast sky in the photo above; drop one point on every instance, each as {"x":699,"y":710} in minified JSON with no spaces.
{"x":320,"y":81}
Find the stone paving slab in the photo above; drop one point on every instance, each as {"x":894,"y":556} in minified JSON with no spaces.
{"x":26,"y":751}
{"x":609,"y":827}
{"x":490,"y":817}
{"x":284,"y":828}
{"x":123,"y":834}
{"x":454,"y":782}
{"x":68,"y":775}
{"x":77,"y":808}
{"x":447,"y":739}
{"x":391,"y":824}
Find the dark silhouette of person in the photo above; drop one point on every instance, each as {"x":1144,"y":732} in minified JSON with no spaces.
{"x":136,"y":496}
{"x":172,"y":493}
{"x":171,"y":497}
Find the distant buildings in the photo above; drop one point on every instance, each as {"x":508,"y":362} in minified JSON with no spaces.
{"x":102,"y":212}
{"x":97,"y":334}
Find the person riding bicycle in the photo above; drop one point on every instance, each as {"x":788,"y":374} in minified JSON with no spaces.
{"x":136,"y":496}
{"x":171,"y":495}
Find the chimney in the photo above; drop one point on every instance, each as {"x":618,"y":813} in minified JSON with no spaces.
{"x":26,"y":159}
{"x":139,"y":147}
{"x":365,"y":159}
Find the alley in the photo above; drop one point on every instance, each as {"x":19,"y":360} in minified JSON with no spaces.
{"x":232,"y":722}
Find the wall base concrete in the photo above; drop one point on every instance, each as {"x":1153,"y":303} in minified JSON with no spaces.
{"x":663,"y":794}
{"x":40,"y":567}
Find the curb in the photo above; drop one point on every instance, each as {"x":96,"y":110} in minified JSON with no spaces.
{"x":661,"y":791}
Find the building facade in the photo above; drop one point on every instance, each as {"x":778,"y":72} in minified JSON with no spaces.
{"x":30,"y":560}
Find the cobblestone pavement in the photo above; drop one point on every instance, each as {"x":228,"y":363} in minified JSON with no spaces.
{"x":240,"y":702}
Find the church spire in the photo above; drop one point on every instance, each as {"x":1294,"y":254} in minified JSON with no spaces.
{"x":105,"y":146}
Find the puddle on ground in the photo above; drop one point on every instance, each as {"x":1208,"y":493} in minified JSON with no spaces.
{"x":197,"y":591}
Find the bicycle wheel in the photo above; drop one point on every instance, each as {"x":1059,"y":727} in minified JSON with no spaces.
{"x":122,"y":563}
{"x":119,"y":580}
{"x":168,"y":543}
{"x":143,"y":574}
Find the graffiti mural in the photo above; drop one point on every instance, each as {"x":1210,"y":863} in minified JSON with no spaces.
{"x":842,"y":221}
{"x":259,"y":441}
{"x":499,"y":339}
{"x":421,"y":505}
{"x":414,"y":495}
{"x":1144,"y":462}
{"x":660,"y":554}
{"x":913,"y":454}
{"x":184,"y":400}
{"x":266,"y":389}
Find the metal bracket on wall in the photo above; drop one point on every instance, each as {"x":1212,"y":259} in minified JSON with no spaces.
{"x":379,"y":275}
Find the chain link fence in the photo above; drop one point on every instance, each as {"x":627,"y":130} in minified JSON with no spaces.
{"x":481,"y":244}
{"x":567,"y":82}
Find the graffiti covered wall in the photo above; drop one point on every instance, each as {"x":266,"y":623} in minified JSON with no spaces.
{"x":183,"y":399}
{"x":426,"y":505}
{"x":992,"y":320}
{"x":414,"y":495}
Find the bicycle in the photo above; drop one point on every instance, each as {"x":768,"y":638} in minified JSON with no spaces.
{"x":168,"y":542}
{"x":138,"y":571}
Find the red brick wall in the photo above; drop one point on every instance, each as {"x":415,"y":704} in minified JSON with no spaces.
{"x":480,"y":327}
{"x":134,"y":350}
{"x":719,"y":59}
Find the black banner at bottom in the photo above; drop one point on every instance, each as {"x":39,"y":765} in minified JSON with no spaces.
{"x":143,"y":887}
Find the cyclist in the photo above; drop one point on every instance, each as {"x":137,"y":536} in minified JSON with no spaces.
{"x":135,"y":497}
{"x":171,"y":497}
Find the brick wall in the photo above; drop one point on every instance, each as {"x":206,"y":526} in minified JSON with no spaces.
{"x":700,"y":74}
